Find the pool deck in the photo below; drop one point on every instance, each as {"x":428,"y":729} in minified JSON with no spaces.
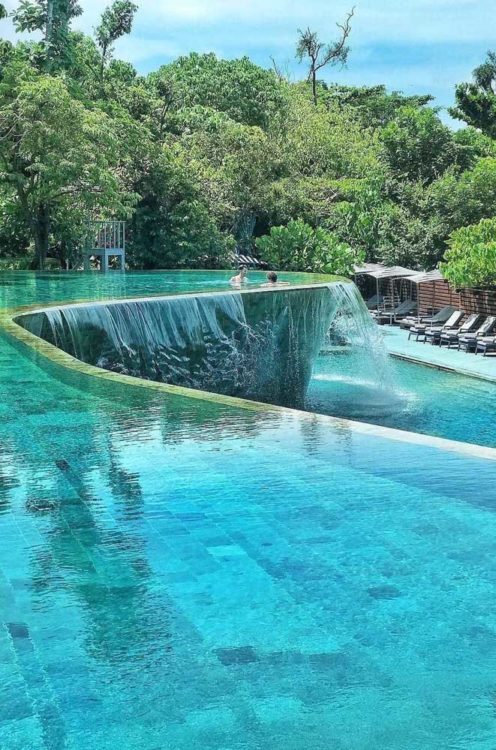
{"x":475,"y":366}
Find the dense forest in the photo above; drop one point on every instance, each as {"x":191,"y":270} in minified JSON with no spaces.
{"x":205,"y":155}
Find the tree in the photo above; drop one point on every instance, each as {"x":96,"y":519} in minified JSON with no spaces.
{"x":325,"y":142}
{"x":471,"y":258}
{"x":52,"y":18}
{"x":462,"y":199}
{"x":417,"y":146}
{"x":240,"y":89}
{"x":476,"y":101}
{"x":374,"y":105}
{"x":3,"y":11}
{"x":299,"y":247}
{"x":117,"y":20}
{"x":172,"y":226}
{"x":320,"y":54}
{"x":58,"y":160}
{"x":231,"y":163}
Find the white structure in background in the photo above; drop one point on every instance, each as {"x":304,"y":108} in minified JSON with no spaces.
{"x":105,"y":240}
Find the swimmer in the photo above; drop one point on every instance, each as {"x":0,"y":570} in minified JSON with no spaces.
{"x":241,"y":278}
{"x":272,"y":280}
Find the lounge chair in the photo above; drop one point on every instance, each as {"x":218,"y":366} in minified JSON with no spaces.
{"x":433,"y":333}
{"x":451,"y":337}
{"x":486,"y":345}
{"x":375,"y":301}
{"x":438,"y":318}
{"x":468,"y":341}
{"x":470,"y":325}
{"x":397,"y":313}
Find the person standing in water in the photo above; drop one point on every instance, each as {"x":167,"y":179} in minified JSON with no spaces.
{"x":272,"y":280}
{"x":241,"y":278}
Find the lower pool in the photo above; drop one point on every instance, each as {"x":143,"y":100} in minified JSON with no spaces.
{"x":178,"y":573}
{"x":406,"y":396}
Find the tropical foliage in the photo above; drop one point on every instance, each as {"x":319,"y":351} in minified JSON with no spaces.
{"x":203,"y":155}
{"x":471,"y":258}
{"x":299,"y":247}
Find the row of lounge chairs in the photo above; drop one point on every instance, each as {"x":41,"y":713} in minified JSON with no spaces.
{"x":450,"y":327}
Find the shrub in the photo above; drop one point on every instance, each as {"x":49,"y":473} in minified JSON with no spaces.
{"x":299,"y":247}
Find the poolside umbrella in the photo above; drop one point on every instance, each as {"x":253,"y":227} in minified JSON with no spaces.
{"x":390,"y":273}
{"x":366,"y":269}
{"x":426,"y":277}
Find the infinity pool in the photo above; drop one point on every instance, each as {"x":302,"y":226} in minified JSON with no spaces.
{"x":177,"y":573}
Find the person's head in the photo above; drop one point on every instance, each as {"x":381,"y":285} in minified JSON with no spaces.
{"x":272,"y":277}
{"x":242,"y":271}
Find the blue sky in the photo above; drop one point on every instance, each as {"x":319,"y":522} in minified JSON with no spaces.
{"x":415,"y":46}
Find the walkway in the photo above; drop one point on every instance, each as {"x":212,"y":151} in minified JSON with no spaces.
{"x":398,"y":345}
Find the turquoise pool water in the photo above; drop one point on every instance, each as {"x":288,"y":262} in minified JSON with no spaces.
{"x":26,"y":288}
{"x":179,"y":574}
{"x":412,"y":397}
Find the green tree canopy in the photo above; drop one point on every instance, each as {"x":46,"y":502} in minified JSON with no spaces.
{"x":242,"y":90}
{"x":53,"y":18}
{"x":56,"y":157}
{"x":476,"y":100}
{"x":374,"y":105}
{"x":471,"y":258}
{"x":417,"y":146}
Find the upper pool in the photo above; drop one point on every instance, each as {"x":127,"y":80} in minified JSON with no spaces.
{"x":185,"y":573}
{"x":26,"y":288}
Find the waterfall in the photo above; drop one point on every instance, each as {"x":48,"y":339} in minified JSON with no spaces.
{"x":259,"y":345}
{"x":353,"y":376}
{"x":353,"y":325}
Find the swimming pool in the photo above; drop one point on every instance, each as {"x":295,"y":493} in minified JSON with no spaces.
{"x":183,"y":573}
{"x":414,"y":398}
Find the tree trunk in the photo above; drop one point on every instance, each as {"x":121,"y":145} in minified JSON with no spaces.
{"x":41,"y":232}
{"x":314,"y":86}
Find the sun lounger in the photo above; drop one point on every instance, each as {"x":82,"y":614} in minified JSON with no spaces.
{"x":433,"y":333}
{"x":468,"y":341}
{"x":399,"y":312}
{"x":486,"y":345}
{"x":374,"y":301}
{"x":438,"y":318}
{"x":451,"y":337}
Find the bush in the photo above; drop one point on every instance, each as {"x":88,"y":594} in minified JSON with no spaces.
{"x":299,"y":247}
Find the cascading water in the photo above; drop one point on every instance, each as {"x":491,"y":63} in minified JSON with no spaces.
{"x":353,"y":376}
{"x":259,"y":345}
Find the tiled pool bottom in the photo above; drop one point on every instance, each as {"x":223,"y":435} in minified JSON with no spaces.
{"x":182,"y":575}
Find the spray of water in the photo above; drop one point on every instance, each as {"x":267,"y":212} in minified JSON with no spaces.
{"x":354,"y":376}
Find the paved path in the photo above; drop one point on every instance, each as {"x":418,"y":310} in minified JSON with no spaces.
{"x":397,"y":344}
